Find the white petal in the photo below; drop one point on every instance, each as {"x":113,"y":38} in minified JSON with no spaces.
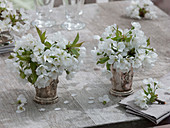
{"x":20,"y":108}
{"x":73,"y":95}
{"x":42,"y":109}
{"x":91,"y":98}
{"x":97,"y":37}
{"x":91,"y":101}
{"x":21,"y":98}
{"x":66,"y":102}
{"x":57,"y":109}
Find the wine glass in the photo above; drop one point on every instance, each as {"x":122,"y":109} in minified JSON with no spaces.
{"x":73,"y":10}
{"x":43,"y":10}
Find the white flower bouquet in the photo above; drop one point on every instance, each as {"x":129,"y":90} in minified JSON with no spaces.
{"x":39,"y":61}
{"x":141,"y":9}
{"x":123,"y":49}
{"x":148,"y":95}
{"x":11,"y":19}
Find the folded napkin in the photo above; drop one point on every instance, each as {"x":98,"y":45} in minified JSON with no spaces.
{"x":6,"y":43}
{"x":155,"y":113}
{"x":6,"y":48}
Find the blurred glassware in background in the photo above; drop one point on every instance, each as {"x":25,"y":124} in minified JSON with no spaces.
{"x":43,"y":10}
{"x":26,"y":4}
{"x":73,"y":10}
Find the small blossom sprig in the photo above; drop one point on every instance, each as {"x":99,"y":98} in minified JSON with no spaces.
{"x":148,"y":95}
{"x":13,"y":20}
{"x":123,"y":49}
{"x":38,"y":61}
{"x":104,"y":99}
{"x":141,"y":9}
{"x":21,"y":100}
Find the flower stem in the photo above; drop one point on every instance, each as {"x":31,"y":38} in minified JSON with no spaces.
{"x":160,"y":101}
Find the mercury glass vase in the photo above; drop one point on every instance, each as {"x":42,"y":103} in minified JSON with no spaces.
{"x":47,"y":95}
{"x":121,"y":82}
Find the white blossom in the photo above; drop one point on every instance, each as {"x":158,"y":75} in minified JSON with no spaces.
{"x":14,"y":24}
{"x":141,"y":100}
{"x":20,"y":108}
{"x":32,"y":58}
{"x":148,"y":94}
{"x":141,"y":9}
{"x":123,"y":49}
{"x":21,"y":99}
{"x":104,"y":99}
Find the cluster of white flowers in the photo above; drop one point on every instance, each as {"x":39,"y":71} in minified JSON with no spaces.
{"x":21,"y":100}
{"x":121,"y":49}
{"x":11,"y":19}
{"x":40,"y":61}
{"x":147,"y":96}
{"x":141,"y":9}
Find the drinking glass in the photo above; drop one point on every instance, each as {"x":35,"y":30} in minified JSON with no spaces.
{"x":43,"y":10}
{"x":73,"y":10}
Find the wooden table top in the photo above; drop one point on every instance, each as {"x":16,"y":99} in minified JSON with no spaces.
{"x":87,"y":82}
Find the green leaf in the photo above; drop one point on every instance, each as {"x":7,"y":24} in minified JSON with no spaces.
{"x":148,"y":41}
{"x":108,"y":66}
{"x":128,"y":39}
{"x":21,"y":64}
{"x":38,"y":31}
{"x":78,"y":45}
{"x":22,"y":75}
{"x":99,"y":54}
{"x":10,"y":57}
{"x":47,"y":44}
{"x":103,"y":60}
{"x":75,"y":40}
{"x":41,"y":35}
{"x":33,"y":66}
{"x":24,"y":58}
{"x":101,"y":39}
{"x":145,"y":91}
{"x":74,"y":51}
{"x":115,"y":38}
{"x":26,"y":52}
{"x":29,"y":79}
{"x":67,"y":72}
{"x":146,"y":51}
{"x":34,"y":77}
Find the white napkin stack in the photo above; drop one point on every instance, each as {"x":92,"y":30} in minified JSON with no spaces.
{"x":8,"y":45}
{"x":155,"y":113}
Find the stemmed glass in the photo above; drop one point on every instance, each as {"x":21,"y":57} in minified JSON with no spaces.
{"x":43,"y":10}
{"x":73,"y":10}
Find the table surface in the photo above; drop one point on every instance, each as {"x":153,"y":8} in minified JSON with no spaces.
{"x":88,"y":82}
